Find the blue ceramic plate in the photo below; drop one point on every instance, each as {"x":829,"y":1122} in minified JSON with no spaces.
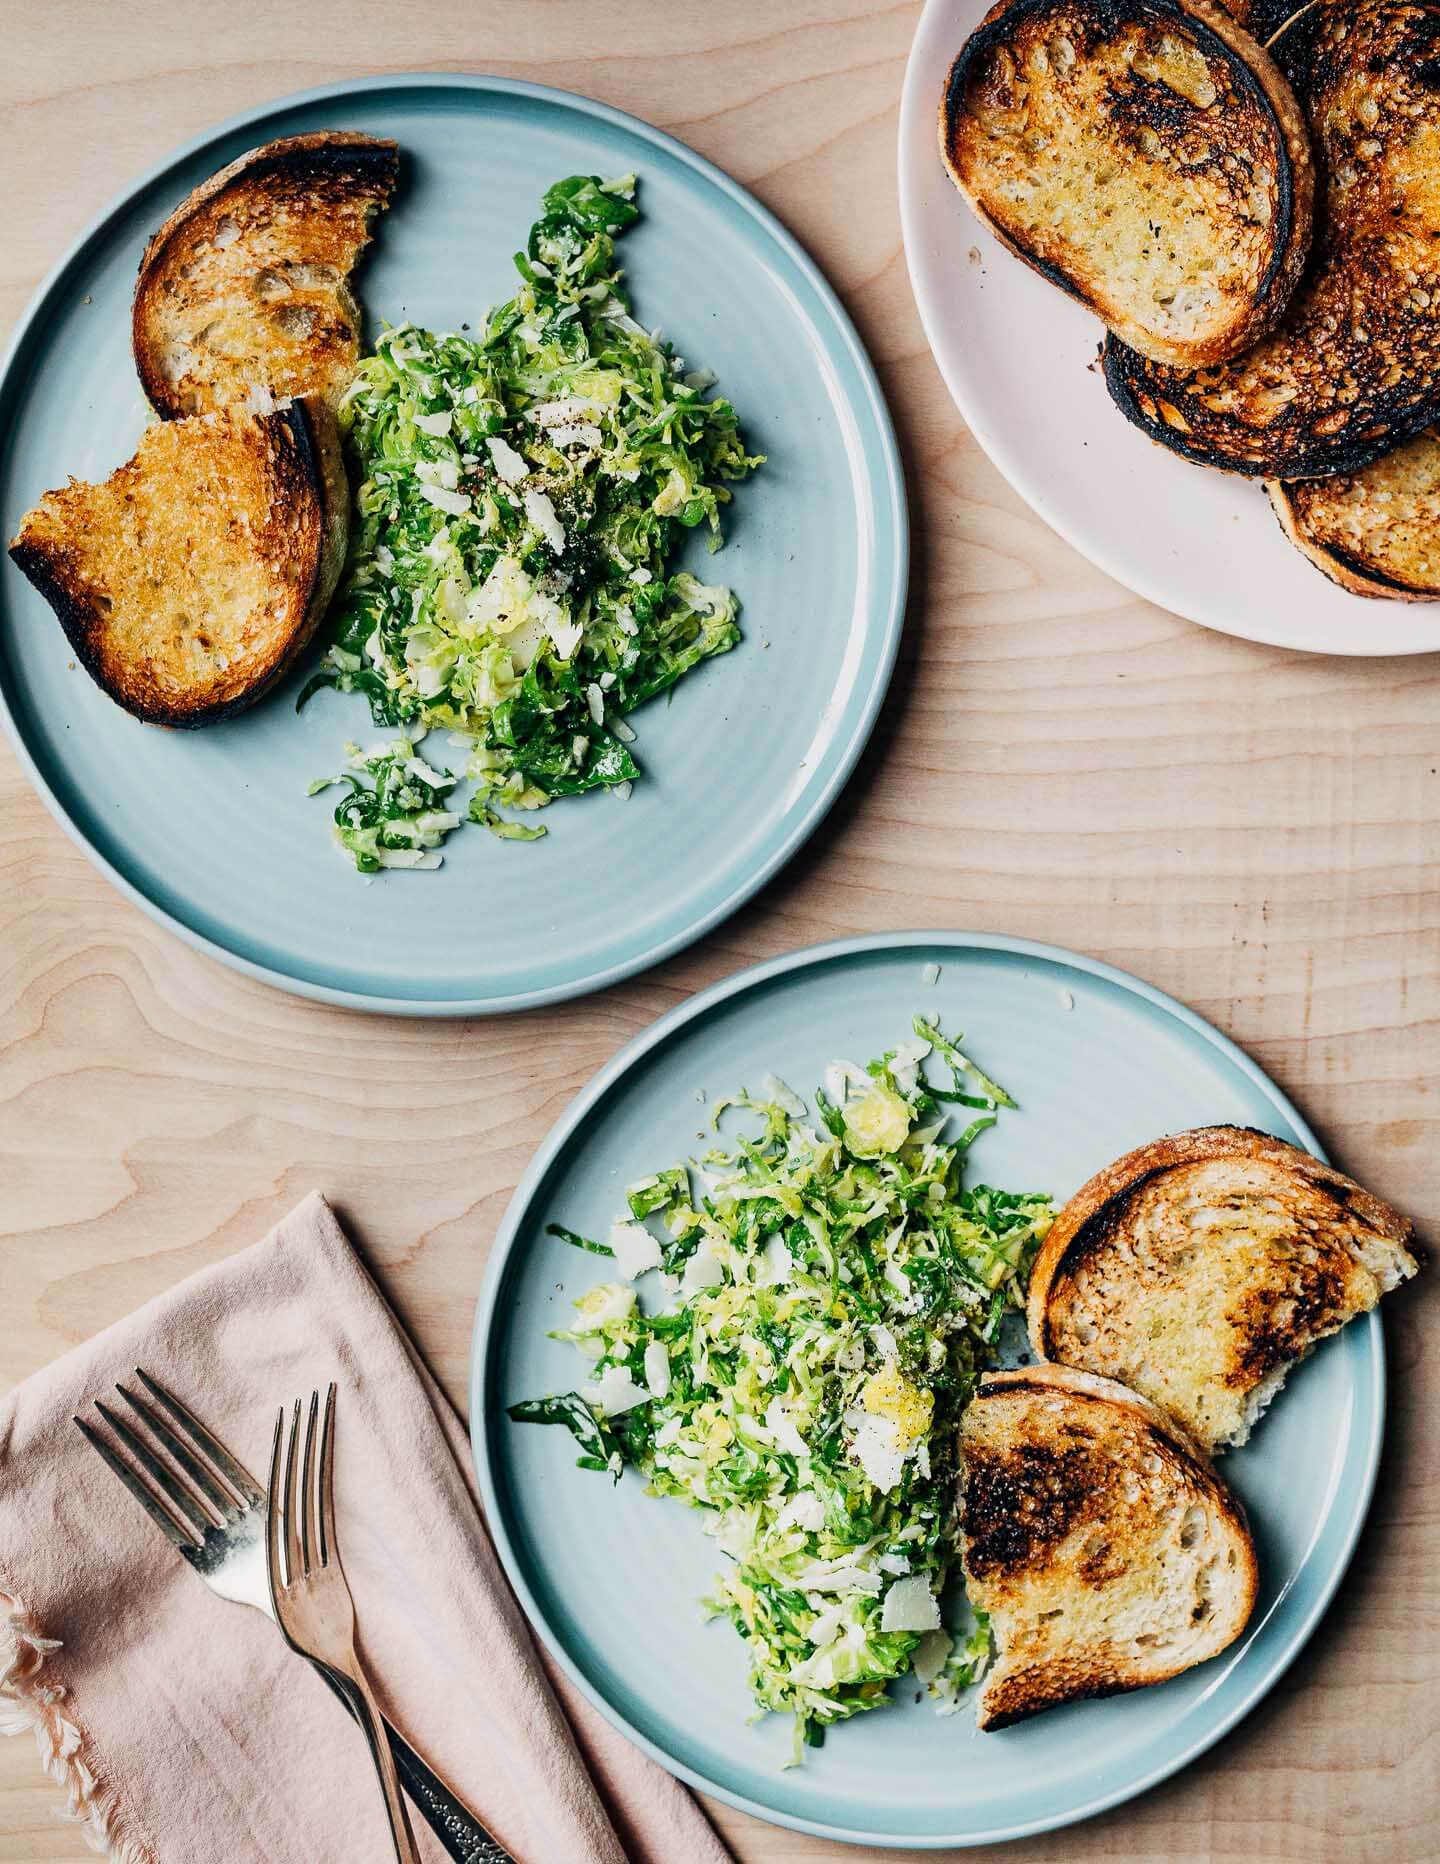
{"x":211,"y":831}
{"x":611,"y":1578}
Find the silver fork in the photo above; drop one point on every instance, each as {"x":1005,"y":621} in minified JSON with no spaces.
{"x":215,"y":1518}
{"x":313,"y":1606}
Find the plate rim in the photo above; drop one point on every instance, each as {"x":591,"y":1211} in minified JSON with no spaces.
{"x":481,"y":1367}
{"x":886,"y":485}
{"x":916,"y":131}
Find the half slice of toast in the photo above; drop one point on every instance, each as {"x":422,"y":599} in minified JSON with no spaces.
{"x":1353,"y":368}
{"x":245,"y":290}
{"x":191,"y":579}
{"x":1145,"y":155}
{"x":1375,"y":532}
{"x":1199,"y":1268}
{"x":1097,"y":1536}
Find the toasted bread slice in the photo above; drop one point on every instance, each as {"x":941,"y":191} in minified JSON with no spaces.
{"x":1353,"y":368}
{"x":191,"y":579}
{"x":246,"y":287}
{"x":1377,"y":531}
{"x":1199,"y":1268}
{"x":1145,"y":155}
{"x":1097,"y":1536}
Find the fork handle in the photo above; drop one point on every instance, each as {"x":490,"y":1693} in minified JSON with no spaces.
{"x":367,"y":1713}
{"x":465,"y":1839}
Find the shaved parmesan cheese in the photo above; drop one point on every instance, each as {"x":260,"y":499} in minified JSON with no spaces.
{"x":702,"y":1270}
{"x":928,"y":1658}
{"x":511,"y":466}
{"x":807,"y":1512}
{"x":634,"y":1249}
{"x":910,"y":1606}
{"x":565,"y":634}
{"x":541,"y":514}
{"x":879,"y":1452}
{"x":772,"y":1088}
{"x":577,"y":434}
{"x":782,"y":1426}
{"x":657,"y":1369}
{"x":568,"y":408}
{"x":838,"y":1077}
{"x":906,"y":1065}
{"x":407,"y":857}
{"x":437,"y":424}
{"x":775,"y":1261}
{"x":456,"y":503}
{"x":839,"y":1578}
{"x":438,"y":472}
{"x":614,"y":1392}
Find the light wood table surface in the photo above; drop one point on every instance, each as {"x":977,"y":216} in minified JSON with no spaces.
{"x":1250,"y":829}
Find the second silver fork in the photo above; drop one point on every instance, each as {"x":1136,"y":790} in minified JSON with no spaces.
{"x":308,"y":1588}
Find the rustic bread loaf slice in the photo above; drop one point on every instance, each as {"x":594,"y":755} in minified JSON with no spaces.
{"x":1353,"y":368}
{"x":191,"y":579}
{"x":1377,"y":531}
{"x":1199,"y":1268}
{"x":1146,"y":156}
{"x":1097,"y":1536}
{"x":246,"y":288}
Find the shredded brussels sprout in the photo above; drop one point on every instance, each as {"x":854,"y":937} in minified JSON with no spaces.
{"x":399,"y":818}
{"x":524,"y":493}
{"x":833,"y":1290}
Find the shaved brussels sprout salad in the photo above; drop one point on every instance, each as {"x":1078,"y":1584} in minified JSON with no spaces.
{"x":524,"y":493}
{"x":829,"y":1291}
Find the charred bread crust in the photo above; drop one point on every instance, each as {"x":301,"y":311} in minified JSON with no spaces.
{"x":1014,"y":1517}
{"x":364,"y":164}
{"x":1098,"y":1208}
{"x":1320,"y":428}
{"x":1349,"y":572}
{"x":308,"y":471}
{"x":1219,"y":34}
{"x":1365,"y":575}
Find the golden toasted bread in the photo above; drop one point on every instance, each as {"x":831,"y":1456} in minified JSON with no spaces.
{"x":246,"y":287}
{"x":1097,"y":1536}
{"x":1376,"y":531}
{"x":1353,"y":368}
{"x":1199,"y":1268}
{"x":1145,"y":155}
{"x":191,"y":579}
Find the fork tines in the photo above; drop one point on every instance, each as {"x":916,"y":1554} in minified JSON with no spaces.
{"x":200,"y":1487}
{"x":302,"y":1518}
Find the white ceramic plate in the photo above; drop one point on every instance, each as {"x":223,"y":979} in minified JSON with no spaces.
{"x":1016,"y":354}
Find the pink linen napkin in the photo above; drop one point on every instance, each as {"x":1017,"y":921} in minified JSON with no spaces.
{"x":181,"y":1726}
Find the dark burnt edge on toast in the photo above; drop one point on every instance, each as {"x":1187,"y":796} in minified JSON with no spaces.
{"x":375,"y":158}
{"x":1347,"y":571}
{"x":1095,"y":1229}
{"x":1175,"y":1442}
{"x":1317,"y":462}
{"x":74,"y":614}
{"x":1292,"y":43}
{"x":996,"y":27}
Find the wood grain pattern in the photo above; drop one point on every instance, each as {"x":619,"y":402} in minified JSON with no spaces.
{"x":1252,"y":830}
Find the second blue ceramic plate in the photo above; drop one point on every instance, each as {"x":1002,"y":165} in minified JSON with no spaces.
{"x":612,"y":1578}
{"x":211,"y":831}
